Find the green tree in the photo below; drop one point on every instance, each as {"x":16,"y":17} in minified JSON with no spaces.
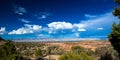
{"x":114,"y":36}
{"x":106,"y":56}
{"x":8,"y":52}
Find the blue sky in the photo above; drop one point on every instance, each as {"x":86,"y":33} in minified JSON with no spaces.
{"x":56,"y":18}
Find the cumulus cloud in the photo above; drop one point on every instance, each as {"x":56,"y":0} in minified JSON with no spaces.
{"x":65,"y":27}
{"x":79,"y":25}
{"x":18,"y":9}
{"x":21,"y":31}
{"x":84,"y":28}
{"x":33,"y":27}
{"x":60,"y":25}
{"x":89,"y":26}
{"x":27,"y":29}
{"x":104,"y":21}
{"x":24,"y":20}
{"x":2,"y":30}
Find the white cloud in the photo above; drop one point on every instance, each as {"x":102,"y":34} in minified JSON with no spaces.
{"x":60,"y":25}
{"x":2,"y":30}
{"x":90,"y":16}
{"x":81,"y":29}
{"x":77,"y":34}
{"x":40,"y":35}
{"x":101,"y":21}
{"x":71,"y":29}
{"x":36,"y":27}
{"x":65,"y":27}
{"x":104,"y":20}
{"x":33,"y":27}
{"x":79,"y":25}
{"x":99,"y":28}
{"x":18,"y":9}
{"x":21,"y":31}
{"x":26,"y":29}
{"x":24,"y":20}
{"x":42,"y":15}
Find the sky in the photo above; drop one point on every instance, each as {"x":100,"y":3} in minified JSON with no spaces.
{"x":33,"y":19}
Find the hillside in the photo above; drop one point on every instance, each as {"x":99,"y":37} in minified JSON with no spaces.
{"x":55,"y":49}
{"x":86,"y":44}
{"x":89,"y":44}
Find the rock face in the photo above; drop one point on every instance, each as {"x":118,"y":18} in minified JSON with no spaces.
{"x":86,"y":44}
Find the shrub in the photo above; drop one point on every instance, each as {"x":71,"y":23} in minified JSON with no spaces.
{"x":71,"y":56}
{"x":77,"y":49}
{"x":8,"y":52}
{"x":38,"y":53}
{"x":106,"y":53}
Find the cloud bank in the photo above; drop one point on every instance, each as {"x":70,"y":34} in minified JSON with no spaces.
{"x":26,"y":29}
{"x":92,"y":27}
